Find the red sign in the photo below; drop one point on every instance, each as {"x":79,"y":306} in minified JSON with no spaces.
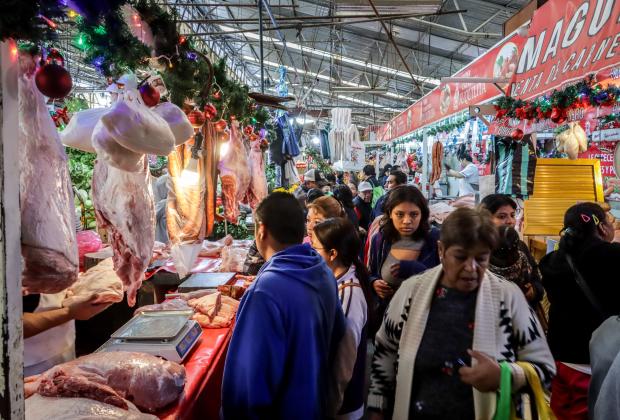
{"x":567,"y":40}
{"x":451,"y":98}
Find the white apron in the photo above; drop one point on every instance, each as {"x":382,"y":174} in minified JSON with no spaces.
{"x":52,"y":347}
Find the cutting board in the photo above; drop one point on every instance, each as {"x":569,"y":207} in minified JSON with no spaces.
{"x":200,"y":281}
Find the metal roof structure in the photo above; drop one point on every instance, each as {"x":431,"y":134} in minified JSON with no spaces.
{"x":374,"y":56}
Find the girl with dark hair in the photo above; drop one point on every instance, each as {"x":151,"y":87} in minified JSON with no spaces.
{"x":344,"y":194}
{"x":513,"y":260}
{"x":336,"y":240}
{"x":405,"y":244}
{"x":582,"y":287}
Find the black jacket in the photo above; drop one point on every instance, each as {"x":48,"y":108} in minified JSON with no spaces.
{"x":364,"y":212}
{"x":572,"y":319}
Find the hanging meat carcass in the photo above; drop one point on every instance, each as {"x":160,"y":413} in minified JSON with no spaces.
{"x":124,"y":206}
{"x":234,"y":174}
{"x":257,"y":189}
{"x":49,"y":246}
{"x":437,"y":162}
{"x":190,"y":212}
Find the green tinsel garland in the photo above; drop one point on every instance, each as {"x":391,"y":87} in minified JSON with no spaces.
{"x":20,"y":19}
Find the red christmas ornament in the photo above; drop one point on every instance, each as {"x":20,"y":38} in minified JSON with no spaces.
{"x":217,"y":95}
{"x":150,"y":95}
{"x":196,"y":118}
{"x":253,"y":137}
{"x":221,"y":125}
{"x":556,"y":114}
{"x":210,"y":111}
{"x":517,"y":134}
{"x":54,"y":81}
{"x":248,"y":130}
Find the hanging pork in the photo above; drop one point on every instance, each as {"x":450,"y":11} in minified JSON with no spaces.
{"x":124,"y":206}
{"x":49,"y":246}
{"x":257,"y":190}
{"x":234,"y":174}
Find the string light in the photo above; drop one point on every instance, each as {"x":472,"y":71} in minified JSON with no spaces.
{"x":72,"y":14}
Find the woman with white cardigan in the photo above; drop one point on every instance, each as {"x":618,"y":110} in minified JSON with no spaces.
{"x":446,"y":331}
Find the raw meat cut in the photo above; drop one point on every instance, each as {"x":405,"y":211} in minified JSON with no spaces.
{"x":234,"y":174}
{"x":48,"y":243}
{"x":114,"y":378}
{"x":233,"y":258}
{"x":177,"y":120}
{"x":257,"y":189}
{"x":124,"y":206}
{"x":45,"y":408}
{"x":100,"y":281}
{"x":167,"y":305}
{"x":214,"y":310}
{"x":190,"y":212}
{"x":214,"y":249}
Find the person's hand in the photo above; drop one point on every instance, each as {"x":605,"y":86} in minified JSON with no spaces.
{"x":484,"y":375}
{"x":86,"y":308}
{"x":375,"y":415}
{"x":395,"y":270}
{"x":382,"y":288}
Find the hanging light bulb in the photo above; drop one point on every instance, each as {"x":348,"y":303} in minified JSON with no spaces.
{"x":189,"y":175}
{"x":316,"y":140}
{"x":224,"y":149}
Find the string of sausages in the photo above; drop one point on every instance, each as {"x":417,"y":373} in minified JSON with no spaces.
{"x":437,"y":160}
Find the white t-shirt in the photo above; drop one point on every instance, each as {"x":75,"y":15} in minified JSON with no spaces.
{"x":51,"y":347}
{"x":470,"y":174}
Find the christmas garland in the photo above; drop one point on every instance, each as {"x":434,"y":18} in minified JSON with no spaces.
{"x":555,"y":106}
{"x":29,"y":20}
{"x":321,"y":164}
{"x":448,"y":126}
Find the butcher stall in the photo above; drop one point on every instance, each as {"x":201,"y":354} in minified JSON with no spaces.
{"x":187,"y":320}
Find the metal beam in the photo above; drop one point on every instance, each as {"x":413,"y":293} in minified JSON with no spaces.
{"x":391,"y":38}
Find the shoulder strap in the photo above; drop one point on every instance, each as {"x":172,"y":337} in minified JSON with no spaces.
{"x":585,"y":288}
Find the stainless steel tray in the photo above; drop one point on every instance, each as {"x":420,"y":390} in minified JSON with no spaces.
{"x":156,"y":325}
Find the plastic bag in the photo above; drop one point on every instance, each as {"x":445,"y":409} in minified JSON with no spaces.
{"x":233,"y":259}
{"x":113,"y":153}
{"x":79,"y":132}
{"x":214,"y":249}
{"x":88,"y":241}
{"x":137,"y":128}
{"x":176,"y":304}
{"x":177,"y":121}
{"x":184,"y":256}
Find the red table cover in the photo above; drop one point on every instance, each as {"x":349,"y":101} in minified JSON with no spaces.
{"x":204,"y":368}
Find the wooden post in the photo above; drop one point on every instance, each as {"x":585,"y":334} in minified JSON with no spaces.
{"x":11,"y":342}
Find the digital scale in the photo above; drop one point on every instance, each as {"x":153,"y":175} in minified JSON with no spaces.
{"x":167,"y":334}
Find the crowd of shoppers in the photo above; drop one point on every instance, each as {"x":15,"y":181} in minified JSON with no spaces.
{"x":455,"y":313}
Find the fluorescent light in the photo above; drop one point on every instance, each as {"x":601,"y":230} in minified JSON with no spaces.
{"x":316,"y":140}
{"x":326,"y":78}
{"x":337,"y":57}
{"x":304,"y":119}
{"x":359,"y":89}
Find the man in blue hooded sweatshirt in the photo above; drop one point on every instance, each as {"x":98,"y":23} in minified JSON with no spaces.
{"x":288,"y":325}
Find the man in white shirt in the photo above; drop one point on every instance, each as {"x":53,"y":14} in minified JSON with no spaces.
{"x":468,"y":176}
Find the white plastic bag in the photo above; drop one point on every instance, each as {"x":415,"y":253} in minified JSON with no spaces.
{"x":184,"y":256}
{"x":177,"y":120}
{"x":137,"y":128}
{"x":113,"y":153}
{"x":79,"y":132}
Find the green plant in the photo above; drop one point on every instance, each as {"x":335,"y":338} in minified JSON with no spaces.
{"x":239,"y":231}
{"x":81,"y":166}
